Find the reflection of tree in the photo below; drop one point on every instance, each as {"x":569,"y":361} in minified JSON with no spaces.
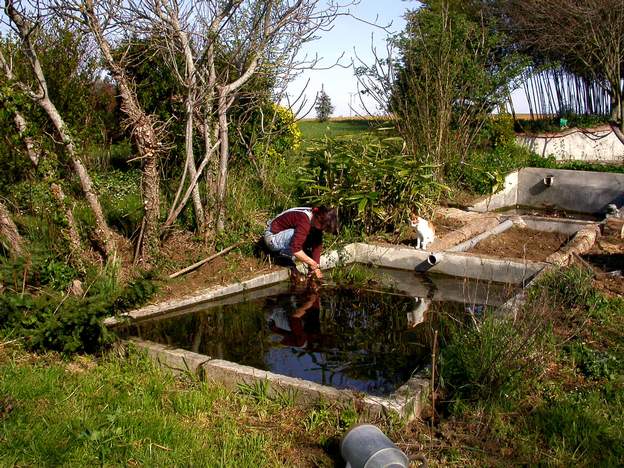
{"x":235,"y":333}
{"x":353,"y":333}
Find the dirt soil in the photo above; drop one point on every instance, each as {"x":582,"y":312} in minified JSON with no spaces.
{"x":444,"y":225}
{"x":606,"y":258}
{"x":182,"y":249}
{"x":523,"y":243}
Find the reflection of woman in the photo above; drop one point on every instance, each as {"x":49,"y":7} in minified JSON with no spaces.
{"x":294,"y":329}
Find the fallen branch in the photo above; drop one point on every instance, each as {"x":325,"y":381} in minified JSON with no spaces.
{"x":202,"y":262}
{"x":581,"y":243}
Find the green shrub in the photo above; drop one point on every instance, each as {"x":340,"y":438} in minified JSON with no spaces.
{"x":69,"y":324}
{"x":43,"y":269}
{"x":498,"y":131}
{"x":371,"y":181}
{"x":484,"y":171}
{"x":553,"y":125}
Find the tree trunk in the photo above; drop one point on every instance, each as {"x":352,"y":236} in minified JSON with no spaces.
{"x":75,"y":246}
{"x":20,"y":123}
{"x":103,"y":234}
{"x":190,"y":161}
{"x":191,"y":83}
{"x":223,"y":160}
{"x":144,"y":135}
{"x":8,"y":231}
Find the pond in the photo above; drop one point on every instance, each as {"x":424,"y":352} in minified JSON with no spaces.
{"x":368,"y":339}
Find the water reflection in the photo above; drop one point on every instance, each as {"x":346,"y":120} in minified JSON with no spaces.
{"x":360,"y":339}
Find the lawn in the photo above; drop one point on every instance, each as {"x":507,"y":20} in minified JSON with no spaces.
{"x":121,"y":410}
{"x":314,"y":130}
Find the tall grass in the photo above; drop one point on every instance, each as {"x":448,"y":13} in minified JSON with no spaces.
{"x":557,"y":367}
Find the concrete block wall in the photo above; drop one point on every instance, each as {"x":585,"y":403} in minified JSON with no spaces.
{"x":580,"y":191}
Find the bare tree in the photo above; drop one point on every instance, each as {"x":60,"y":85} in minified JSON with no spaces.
{"x":262,"y":37}
{"x":26,"y":29}
{"x":586,"y":37}
{"x":104,"y":20}
{"x":224,"y":44}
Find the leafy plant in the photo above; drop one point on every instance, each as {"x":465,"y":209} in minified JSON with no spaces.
{"x":372,"y":181}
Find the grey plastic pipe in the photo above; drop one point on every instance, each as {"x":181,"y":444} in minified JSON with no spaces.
{"x":470,"y":243}
{"x":435,"y":258}
{"x":365,"y":446}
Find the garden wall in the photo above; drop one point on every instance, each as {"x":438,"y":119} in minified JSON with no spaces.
{"x":596,"y":144}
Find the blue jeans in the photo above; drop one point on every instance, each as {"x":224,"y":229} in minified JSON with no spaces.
{"x":279,"y":242}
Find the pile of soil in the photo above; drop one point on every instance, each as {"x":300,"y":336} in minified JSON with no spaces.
{"x":606,"y":258}
{"x":523,"y":243}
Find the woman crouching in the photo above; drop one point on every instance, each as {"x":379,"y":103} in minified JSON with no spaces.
{"x":297,"y":233}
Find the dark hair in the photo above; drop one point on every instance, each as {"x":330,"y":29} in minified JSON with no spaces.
{"x":327,"y":218}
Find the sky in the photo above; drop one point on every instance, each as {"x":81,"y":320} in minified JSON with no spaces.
{"x":353,"y":37}
{"x":349,"y":36}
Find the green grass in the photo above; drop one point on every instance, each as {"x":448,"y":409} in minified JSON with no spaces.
{"x":314,"y":130}
{"x":123,"y":410}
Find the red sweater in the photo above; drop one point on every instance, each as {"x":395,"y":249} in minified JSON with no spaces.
{"x":305,"y":236}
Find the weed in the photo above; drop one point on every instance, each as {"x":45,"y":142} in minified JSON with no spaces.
{"x":579,"y":427}
{"x":258,"y":390}
{"x":317,"y":417}
{"x":354,"y":274}
{"x":488,"y":362}
{"x":286,"y":398}
{"x":348,"y":417}
{"x":566,"y":287}
{"x":594,"y":364}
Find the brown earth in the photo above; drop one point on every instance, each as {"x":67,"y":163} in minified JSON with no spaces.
{"x":606,"y":258}
{"x":183,"y":249}
{"x":523,"y":243}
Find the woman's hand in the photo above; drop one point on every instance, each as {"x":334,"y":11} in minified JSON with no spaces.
{"x":315,"y":272}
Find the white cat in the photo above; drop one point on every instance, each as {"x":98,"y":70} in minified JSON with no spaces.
{"x":425,"y":231}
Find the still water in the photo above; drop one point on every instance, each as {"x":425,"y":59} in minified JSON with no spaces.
{"x":349,"y":338}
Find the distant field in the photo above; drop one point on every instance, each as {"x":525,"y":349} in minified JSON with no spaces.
{"x":312,"y":129}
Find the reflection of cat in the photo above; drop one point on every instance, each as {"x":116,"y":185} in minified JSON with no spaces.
{"x":425,"y":232}
{"x":417,"y":315}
